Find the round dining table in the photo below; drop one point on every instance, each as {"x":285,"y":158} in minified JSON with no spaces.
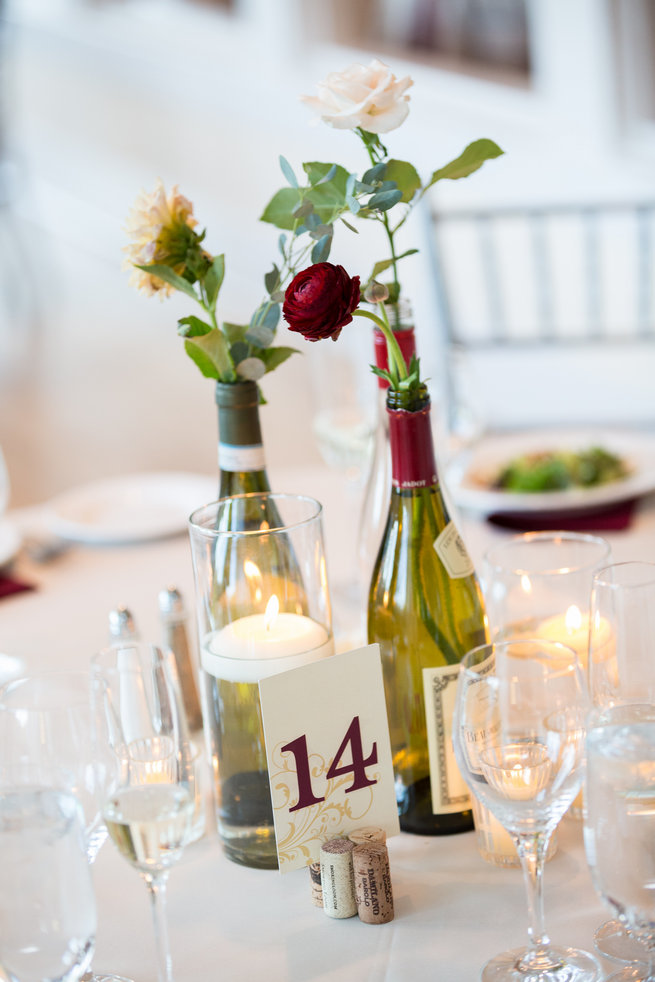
{"x":229,"y":923}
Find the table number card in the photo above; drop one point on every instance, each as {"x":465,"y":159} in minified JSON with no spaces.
{"x":328,"y":753}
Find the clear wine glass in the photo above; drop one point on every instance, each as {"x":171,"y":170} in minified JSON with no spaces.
{"x":619,"y":828}
{"x":518,"y":732}
{"x":150,"y":804}
{"x":622,"y":670}
{"x":47,"y":906}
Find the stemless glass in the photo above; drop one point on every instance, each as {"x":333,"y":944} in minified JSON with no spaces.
{"x":622,"y":670}
{"x":47,"y":906}
{"x":518,"y":731}
{"x":619,"y":825}
{"x":149,"y":808}
{"x":48,"y":738}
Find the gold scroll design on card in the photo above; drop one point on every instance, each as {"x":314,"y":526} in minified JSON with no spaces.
{"x":310,"y":827}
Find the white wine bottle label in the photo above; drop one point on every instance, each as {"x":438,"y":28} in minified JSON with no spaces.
{"x":450,"y":792}
{"x":234,"y":458}
{"x":451,"y":550}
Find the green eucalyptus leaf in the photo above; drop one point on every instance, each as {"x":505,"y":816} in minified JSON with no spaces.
{"x":331,"y":174}
{"x":320,"y":231}
{"x":166,"y":274}
{"x":348,"y":225}
{"x":303,"y":209}
{"x":351,"y":184}
{"x":281,"y":243}
{"x":192,"y":327}
{"x":312,"y":221}
{"x":278,"y":296}
{"x":239,"y":350}
{"x":279,"y":211}
{"x":266,"y":315}
{"x":272,"y":357}
{"x":272,"y":279}
{"x":354,"y":206}
{"x":405,"y":176}
{"x":321,"y":250}
{"x":316,"y":172}
{"x":468,"y":161}
{"x":211,"y":355}
{"x":386,"y":263}
{"x":384,"y":200}
{"x":214,"y":280}
{"x":374,"y":174}
{"x":287,"y":170}
{"x":251,"y":369}
{"x":234,"y":332}
{"x":260,"y":335}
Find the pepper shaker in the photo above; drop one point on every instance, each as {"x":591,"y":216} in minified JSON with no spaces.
{"x":173,"y":616}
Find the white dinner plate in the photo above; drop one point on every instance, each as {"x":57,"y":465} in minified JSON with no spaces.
{"x":469,"y":477}
{"x":10,"y":542}
{"x":135,"y":508}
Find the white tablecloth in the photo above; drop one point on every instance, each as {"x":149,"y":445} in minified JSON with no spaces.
{"x":453,"y":911}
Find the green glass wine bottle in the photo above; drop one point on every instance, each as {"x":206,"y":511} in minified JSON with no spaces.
{"x":425,"y":610}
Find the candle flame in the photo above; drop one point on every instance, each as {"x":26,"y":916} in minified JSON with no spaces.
{"x":271,"y":612}
{"x":573,"y":619}
{"x":526,"y":585}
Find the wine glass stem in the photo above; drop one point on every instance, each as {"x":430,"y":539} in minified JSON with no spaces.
{"x":532,"y":853}
{"x":157,"y":890}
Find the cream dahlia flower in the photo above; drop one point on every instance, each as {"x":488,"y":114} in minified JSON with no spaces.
{"x":160,"y":226}
{"x":369,"y":97}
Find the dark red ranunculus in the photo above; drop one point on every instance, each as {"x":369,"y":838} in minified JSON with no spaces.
{"x":320,"y":300}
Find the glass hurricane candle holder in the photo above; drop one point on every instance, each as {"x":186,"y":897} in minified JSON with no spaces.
{"x":538,"y":584}
{"x":263,"y":608}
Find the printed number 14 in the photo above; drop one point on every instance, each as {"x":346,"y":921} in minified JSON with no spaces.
{"x":357,"y":768}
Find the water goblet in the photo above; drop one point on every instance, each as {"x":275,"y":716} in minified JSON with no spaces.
{"x":619,"y":826}
{"x":518,"y":732}
{"x":149,"y":808}
{"x":622,"y":670}
{"x":51,"y":738}
{"x":47,"y":906}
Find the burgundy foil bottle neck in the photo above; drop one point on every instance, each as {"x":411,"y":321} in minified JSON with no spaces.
{"x":413,"y":463}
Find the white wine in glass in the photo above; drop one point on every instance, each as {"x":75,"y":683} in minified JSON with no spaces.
{"x":150,"y":806}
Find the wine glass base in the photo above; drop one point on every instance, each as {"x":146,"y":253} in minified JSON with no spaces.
{"x":630,"y":974}
{"x":561,"y":965}
{"x":103,"y":977}
{"x":613,"y":942}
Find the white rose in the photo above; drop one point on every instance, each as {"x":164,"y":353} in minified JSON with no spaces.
{"x":370,"y":97}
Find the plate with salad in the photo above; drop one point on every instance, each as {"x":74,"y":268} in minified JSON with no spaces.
{"x":553,"y":471}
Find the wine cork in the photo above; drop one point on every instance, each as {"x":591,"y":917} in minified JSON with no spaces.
{"x":337,"y":878}
{"x":372,"y":876}
{"x":315,"y":880}
{"x":370,"y":833}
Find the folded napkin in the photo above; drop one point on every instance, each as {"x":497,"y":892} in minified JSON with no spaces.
{"x":9,"y":586}
{"x":613,"y":518}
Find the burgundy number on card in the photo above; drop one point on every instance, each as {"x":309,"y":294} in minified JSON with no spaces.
{"x":357,"y":767}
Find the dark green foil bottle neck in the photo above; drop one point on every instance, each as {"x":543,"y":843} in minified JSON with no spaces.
{"x":238,"y":413}
{"x":411,"y":401}
{"x":241,"y":455}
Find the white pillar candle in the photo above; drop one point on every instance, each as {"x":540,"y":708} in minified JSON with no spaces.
{"x":259,"y":645}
